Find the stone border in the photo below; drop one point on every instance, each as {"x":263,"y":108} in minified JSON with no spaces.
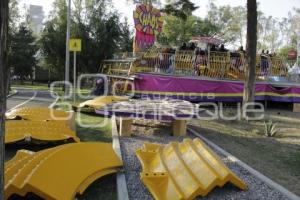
{"x":254,"y":172}
{"x":121,"y":179}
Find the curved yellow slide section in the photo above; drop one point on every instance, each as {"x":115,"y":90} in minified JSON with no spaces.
{"x":183,"y":170}
{"x":19,"y":130}
{"x":61,"y":172}
{"x":37,"y":114}
{"x":100,"y":102}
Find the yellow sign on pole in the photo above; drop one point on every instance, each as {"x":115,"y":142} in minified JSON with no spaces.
{"x":75,"y":45}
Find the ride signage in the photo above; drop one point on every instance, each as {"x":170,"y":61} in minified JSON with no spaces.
{"x":148,"y":19}
{"x":148,"y":23}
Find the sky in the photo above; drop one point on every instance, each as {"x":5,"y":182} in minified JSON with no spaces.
{"x":275,"y":8}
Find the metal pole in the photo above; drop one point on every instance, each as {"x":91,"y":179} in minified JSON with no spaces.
{"x":67,"y":66}
{"x":298,"y":53}
{"x":74,"y":78}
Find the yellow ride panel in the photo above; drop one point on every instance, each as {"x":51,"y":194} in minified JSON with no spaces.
{"x":19,"y":130}
{"x":183,"y":170}
{"x":61,"y":172}
{"x":38,"y":114}
{"x":21,"y":154}
{"x":100,"y":102}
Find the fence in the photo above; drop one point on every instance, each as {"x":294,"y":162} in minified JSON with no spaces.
{"x":218,"y":65}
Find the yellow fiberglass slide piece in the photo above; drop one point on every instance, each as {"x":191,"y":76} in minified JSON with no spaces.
{"x":183,"y":170}
{"x":100,"y":102}
{"x":38,"y":114}
{"x":60,"y":173}
{"x":19,"y":130}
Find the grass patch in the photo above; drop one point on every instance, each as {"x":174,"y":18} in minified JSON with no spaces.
{"x":277,"y":157}
{"x":33,"y":87}
{"x":43,"y":86}
{"x":89,"y":126}
{"x":93,"y":128}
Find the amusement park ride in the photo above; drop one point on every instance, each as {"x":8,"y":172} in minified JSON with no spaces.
{"x":178,"y":170}
{"x":195,"y":76}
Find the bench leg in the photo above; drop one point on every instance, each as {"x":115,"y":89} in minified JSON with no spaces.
{"x":179,"y":127}
{"x":125,"y":125}
{"x":296,"y":107}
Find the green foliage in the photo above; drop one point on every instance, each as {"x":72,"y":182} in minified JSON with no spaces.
{"x":270,"y":129}
{"x":23,"y":50}
{"x":14,"y":15}
{"x":273,"y":33}
{"x":100,"y":29}
{"x":126,"y":41}
{"x":231,"y":22}
{"x":283,"y":52}
{"x":180,"y":8}
{"x":176,"y":31}
{"x":53,"y":39}
{"x":290,"y":28}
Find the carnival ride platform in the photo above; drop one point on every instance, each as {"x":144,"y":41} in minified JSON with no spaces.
{"x":211,"y":90}
{"x":213,"y":77}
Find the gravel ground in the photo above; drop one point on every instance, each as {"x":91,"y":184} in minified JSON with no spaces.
{"x":155,"y":132}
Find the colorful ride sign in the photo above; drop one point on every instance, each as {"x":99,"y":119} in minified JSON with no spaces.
{"x":148,"y":19}
{"x":148,"y":23}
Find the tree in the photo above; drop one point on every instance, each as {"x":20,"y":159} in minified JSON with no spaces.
{"x":126,"y":39}
{"x":14,"y":15}
{"x":176,"y":31}
{"x":22,"y":58}
{"x":269,"y":31}
{"x":291,"y":28}
{"x":180,"y":8}
{"x":231,"y":22}
{"x":98,"y":27}
{"x":3,"y":71}
{"x":52,"y":41}
{"x":284,"y":51}
{"x":13,"y":20}
{"x":249,"y":88}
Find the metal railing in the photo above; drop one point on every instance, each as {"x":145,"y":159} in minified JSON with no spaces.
{"x":218,"y":65}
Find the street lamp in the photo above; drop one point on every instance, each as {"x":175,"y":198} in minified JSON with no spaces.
{"x":67,"y":65}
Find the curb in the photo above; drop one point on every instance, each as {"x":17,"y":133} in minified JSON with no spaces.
{"x":254,"y":172}
{"x":14,"y":93}
{"x":121,"y":179}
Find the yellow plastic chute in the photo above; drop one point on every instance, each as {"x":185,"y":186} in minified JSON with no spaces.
{"x":22,"y":130}
{"x":37,"y":114}
{"x":59,"y":173}
{"x":183,"y":170}
{"x":100,"y":102}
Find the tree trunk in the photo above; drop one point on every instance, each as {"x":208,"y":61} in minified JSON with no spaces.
{"x":8,"y":83}
{"x":3,"y":82}
{"x":249,"y":88}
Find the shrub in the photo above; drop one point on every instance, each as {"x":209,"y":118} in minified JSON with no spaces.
{"x":270,"y":129}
